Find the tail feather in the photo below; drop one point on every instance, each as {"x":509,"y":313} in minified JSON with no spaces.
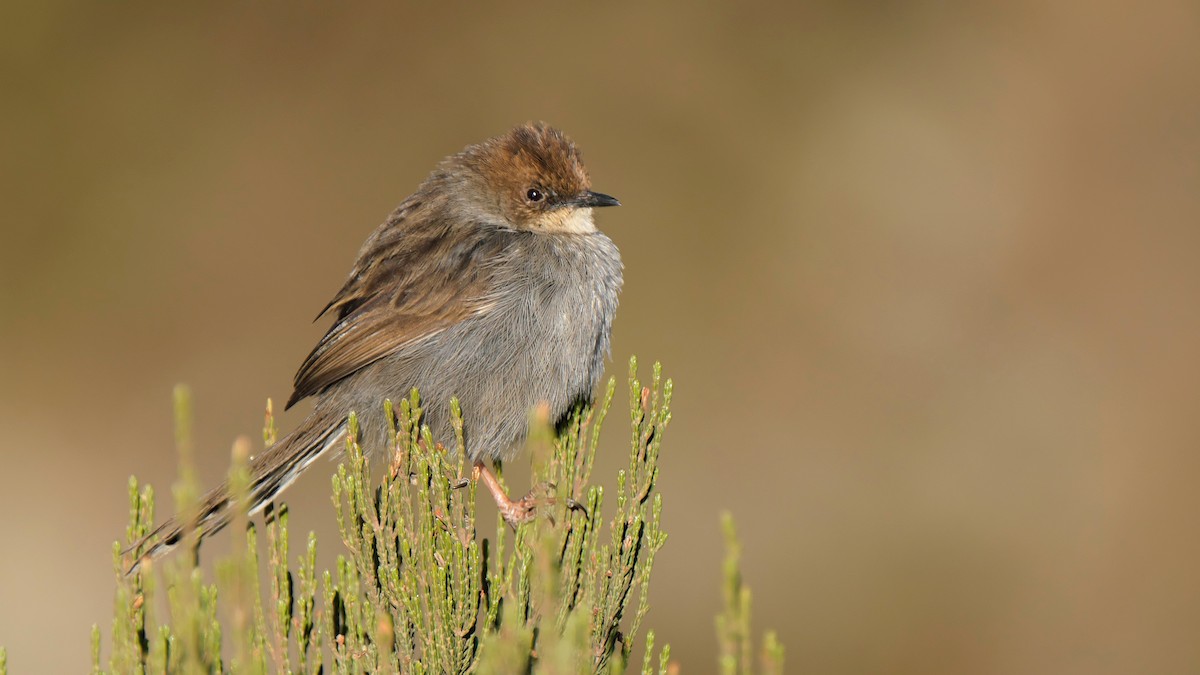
{"x":270,"y":474}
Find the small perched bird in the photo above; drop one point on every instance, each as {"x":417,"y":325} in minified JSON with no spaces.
{"x":490,"y":283}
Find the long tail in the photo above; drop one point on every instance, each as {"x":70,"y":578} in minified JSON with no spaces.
{"x":270,"y":474}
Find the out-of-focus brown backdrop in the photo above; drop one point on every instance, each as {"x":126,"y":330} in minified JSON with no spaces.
{"x":926,"y":279}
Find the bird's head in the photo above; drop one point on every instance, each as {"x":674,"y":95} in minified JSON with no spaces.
{"x":531,"y":178}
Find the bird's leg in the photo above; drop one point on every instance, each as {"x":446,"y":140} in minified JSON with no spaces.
{"x":513,"y":512}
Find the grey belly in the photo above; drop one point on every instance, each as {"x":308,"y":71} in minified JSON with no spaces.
{"x":544,"y":343}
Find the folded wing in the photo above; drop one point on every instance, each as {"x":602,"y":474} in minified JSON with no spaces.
{"x":409,"y":284}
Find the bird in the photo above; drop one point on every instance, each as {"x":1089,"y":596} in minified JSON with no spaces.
{"x":490,"y":284}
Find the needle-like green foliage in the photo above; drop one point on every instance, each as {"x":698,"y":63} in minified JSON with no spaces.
{"x":420,"y":588}
{"x":735,"y":640}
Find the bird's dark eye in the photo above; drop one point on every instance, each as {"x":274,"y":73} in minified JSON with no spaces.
{"x":534,"y":195}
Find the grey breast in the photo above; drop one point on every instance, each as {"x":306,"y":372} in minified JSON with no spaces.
{"x":544,"y":340}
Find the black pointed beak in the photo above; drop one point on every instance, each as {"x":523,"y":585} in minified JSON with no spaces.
{"x":597,"y":199}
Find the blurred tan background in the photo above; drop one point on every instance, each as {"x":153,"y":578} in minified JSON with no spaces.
{"x":925,"y":277}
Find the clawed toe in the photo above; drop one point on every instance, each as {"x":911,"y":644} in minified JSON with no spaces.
{"x":518,"y":512}
{"x":576,"y":506}
{"x":522,"y":510}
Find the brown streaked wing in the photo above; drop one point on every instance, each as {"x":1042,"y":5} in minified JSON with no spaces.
{"x":416,"y":289}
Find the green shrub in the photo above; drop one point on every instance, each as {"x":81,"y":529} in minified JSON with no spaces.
{"x":417,"y":590}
